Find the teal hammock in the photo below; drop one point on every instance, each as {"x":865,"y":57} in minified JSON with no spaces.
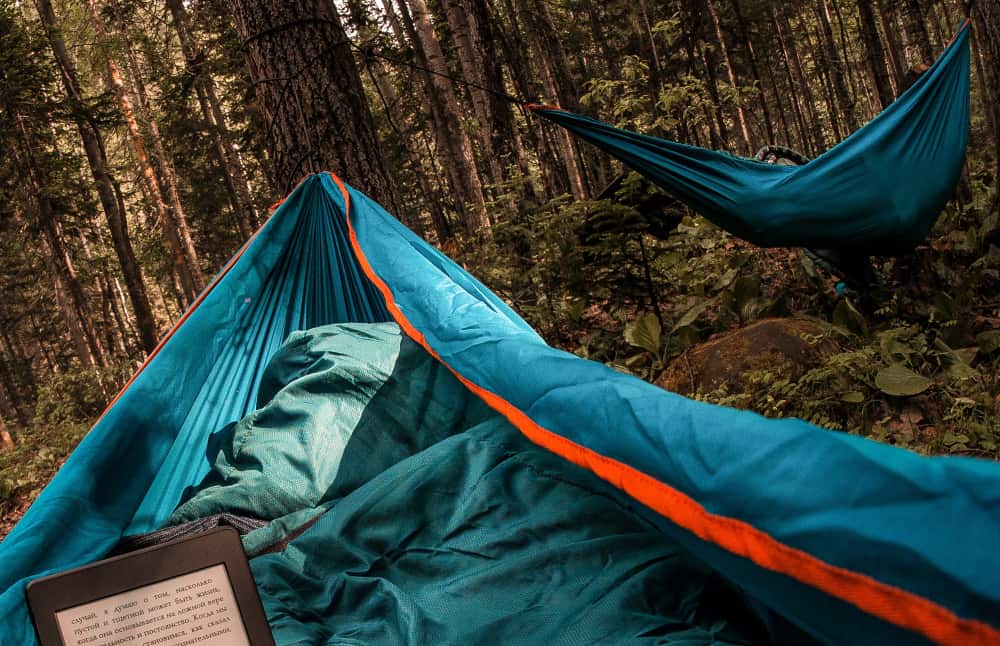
{"x":878,"y":192}
{"x":834,"y":538}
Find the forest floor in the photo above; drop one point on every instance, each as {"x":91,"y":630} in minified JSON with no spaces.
{"x":26,"y":468}
{"x":918,"y":367}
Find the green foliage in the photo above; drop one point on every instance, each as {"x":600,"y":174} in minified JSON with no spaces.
{"x":918,"y":369}
{"x":901,"y":381}
{"x":74,"y":396}
{"x":24,"y":470}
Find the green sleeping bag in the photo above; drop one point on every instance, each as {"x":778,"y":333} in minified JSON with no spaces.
{"x":418,"y":515}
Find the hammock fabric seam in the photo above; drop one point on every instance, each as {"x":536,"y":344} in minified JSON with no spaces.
{"x":895,"y":605}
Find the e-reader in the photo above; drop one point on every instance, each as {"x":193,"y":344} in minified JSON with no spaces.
{"x":195,"y":591}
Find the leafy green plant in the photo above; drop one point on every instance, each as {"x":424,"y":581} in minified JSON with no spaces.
{"x":77,"y":395}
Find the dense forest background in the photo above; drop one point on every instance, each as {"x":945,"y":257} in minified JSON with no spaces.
{"x":143,"y":141}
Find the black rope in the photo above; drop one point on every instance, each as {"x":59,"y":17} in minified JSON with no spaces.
{"x":385,"y":102}
{"x":369,"y":52}
{"x":311,"y":154}
{"x":283,"y":26}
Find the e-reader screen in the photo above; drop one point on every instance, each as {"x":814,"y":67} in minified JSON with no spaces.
{"x":186,"y":610}
{"x":193,"y":592}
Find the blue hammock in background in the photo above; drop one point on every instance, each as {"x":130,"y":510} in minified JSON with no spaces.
{"x":836,"y":537}
{"x":878,"y":192}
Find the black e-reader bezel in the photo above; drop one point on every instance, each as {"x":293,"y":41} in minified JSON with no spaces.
{"x":220,"y":546}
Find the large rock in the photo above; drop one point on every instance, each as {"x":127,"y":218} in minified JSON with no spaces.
{"x":773,"y":344}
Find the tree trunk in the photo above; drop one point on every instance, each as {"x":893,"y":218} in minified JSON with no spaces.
{"x":514,"y":46}
{"x":361,"y":24}
{"x":505,"y":138}
{"x":984,"y":89}
{"x":234,"y":173}
{"x":648,"y":51}
{"x":449,"y":121}
{"x":470,"y":26}
{"x":557,"y":82}
{"x":151,"y":184}
{"x":78,"y":337}
{"x":596,"y":24}
{"x":874,"y":53}
{"x":895,"y":49}
{"x":918,"y":43}
{"x":987,"y":23}
{"x":785,"y":33}
{"x":13,"y":397}
{"x":744,"y":130}
{"x":114,"y":330}
{"x":708,"y":61}
{"x":835,"y":67}
{"x":169,"y":175}
{"x":744,"y":32}
{"x":820,"y":54}
{"x":68,"y":290}
{"x":474,"y":69}
{"x":848,"y":58}
{"x":771,"y":60}
{"x":94,"y":147}
{"x":311,"y":95}
{"x":12,"y":388}
{"x":804,"y":143}
{"x":426,"y":163}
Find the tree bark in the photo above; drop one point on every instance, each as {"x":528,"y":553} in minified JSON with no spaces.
{"x":474,"y":69}
{"x":514,"y":45}
{"x":744,"y":31}
{"x":785,"y":33}
{"x":557,"y":82}
{"x":744,"y":129}
{"x":234,"y":173}
{"x":804,"y":143}
{"x":12,"y":388}
{"x":13,"y":397}
{"x":918,"y":43}
{"x":367,"y":34}
{"x":311,"y":95}
{"x":847,"y":59}
{"x":154,"y":194}
{"x":78,"y":338}
{"x":814,"y":39}
{"x":167,"y":171}
{"x":94,"y":147}
{"x":68,"y":290}
{"x":114,"y":330}
{"x":895,"y":48}
{"x":449,"y":120}
{"x":713,"y":92}
{"x":835,"y":67}
{"x":987,"y":22}
{"x":426,"y":163}
{"x":874,"y":53}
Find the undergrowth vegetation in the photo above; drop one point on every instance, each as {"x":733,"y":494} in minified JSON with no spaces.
{"x":916,"y":365}
{"x":27,"y":467}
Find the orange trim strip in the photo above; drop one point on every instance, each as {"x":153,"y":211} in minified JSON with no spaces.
{"x":894,"y":605}
{"x":177,"y":325}
{"x":274,"y":207}
{"x":968,"y":21}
